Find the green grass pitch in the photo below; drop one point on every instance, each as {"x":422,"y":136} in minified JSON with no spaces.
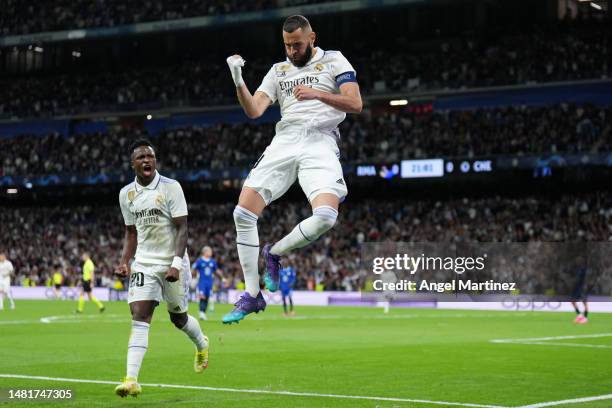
{"x":435,"y":356}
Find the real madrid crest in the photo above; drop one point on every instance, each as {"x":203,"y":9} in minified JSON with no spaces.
{"x":281,"y":70}
{"x":130,"y":195}
{"x":319,"y":67}
{"x":159,"y":200}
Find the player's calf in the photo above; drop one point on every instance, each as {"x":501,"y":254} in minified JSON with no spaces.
{"x":247,"y":245}
{"x":322,"y":220}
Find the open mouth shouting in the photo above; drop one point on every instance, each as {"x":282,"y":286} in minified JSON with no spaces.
{"x":147,"y":170}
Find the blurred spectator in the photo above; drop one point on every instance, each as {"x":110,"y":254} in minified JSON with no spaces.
{"x":385,"y":138}
{"x":35,"y":237}
{"x":453,"y":64}
{"x":55,"y":15}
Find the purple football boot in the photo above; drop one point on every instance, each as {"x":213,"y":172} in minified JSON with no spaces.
{"x":245,"y":305}
{"x":273,"y":266}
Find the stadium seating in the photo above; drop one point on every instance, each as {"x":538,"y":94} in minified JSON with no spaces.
{"x":383,"y":138}
{"x":36,"y":238}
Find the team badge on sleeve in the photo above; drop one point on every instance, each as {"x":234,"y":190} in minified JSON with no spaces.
{"x":281,"y":70}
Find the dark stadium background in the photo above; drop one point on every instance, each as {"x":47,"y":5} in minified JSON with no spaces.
{"x":521,"y":86}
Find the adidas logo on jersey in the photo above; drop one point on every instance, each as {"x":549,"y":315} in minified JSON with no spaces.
{"x":340,"y":181}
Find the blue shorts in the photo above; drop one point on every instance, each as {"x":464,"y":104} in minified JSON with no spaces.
{"x":205,"y":289}
{"x":286,"y":291}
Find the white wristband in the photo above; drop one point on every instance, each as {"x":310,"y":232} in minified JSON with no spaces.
{"x":177,"y":263}
{"x":235,"y":64}
{"x":238,"y":81}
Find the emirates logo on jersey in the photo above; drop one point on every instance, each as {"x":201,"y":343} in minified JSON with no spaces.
{"x":147,"y":216}
{"x":287,"y":86}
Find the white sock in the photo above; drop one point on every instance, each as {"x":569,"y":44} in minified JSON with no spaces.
{"x":322,"y":220}
{"x":194,"y":332}
{"x":137,"y":347}
{"x":247,"y":243}
{"x":1,"y":301}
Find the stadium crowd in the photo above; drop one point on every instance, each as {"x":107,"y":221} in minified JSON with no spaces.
{"x":388,"y":137}
{"x":56,"y":15}
{"x":38,"y":239}
{"x":453,"y":64}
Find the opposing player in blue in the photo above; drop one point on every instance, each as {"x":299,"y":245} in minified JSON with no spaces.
{"x":207,"y":268}
{"x":287,"y":280}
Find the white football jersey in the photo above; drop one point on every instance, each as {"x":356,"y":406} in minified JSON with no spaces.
{"x":326,"y":71}
{"x":151,"y":209}
{"x":6,"y":269}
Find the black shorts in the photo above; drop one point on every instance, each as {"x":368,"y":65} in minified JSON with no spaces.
{"x":58,"y":286}
{"x":87,"y":286}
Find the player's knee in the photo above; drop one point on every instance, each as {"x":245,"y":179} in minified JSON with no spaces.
{"x":178,"y":319}
{"x":325,"y":217}
{"x":244,"y":219}
{"x":141,"y":316}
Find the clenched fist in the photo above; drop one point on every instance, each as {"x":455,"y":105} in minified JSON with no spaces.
{"x":235,"y":63}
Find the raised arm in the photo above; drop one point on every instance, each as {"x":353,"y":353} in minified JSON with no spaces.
{"x":254,"y":105}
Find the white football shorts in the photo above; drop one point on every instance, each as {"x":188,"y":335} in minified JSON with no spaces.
{"x":147,"y":283}
{"x":309,"y":155}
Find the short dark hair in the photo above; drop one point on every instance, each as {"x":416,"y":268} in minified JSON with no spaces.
{"x":141,"y":142}
{"x":292,"y":23}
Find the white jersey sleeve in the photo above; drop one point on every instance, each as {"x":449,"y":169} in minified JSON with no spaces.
{"x":268,"y":85}
{"x":342,"y":70}
{"x":176,"y":200}
{"x":128,"y":217}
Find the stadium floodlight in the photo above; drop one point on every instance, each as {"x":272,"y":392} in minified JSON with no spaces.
{"x":596,"y":6}
{"x":11,"y":191}
{"x":38,"y":49}
{"x":398,"y":102}
{"x":149,"y":117}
